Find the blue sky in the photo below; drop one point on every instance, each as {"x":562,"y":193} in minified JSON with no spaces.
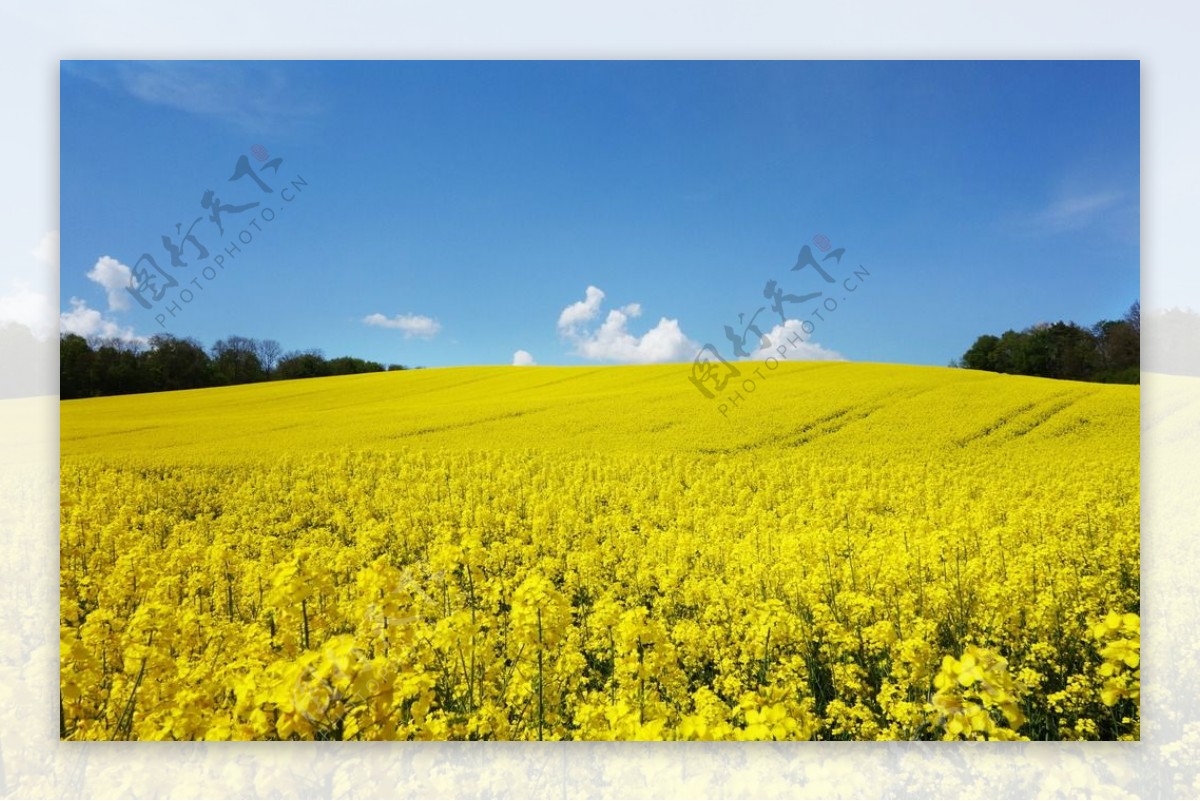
{"x":451,"y":213}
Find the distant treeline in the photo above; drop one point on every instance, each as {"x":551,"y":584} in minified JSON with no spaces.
{"x":1109,"y":351}
{"x":113,"y":367}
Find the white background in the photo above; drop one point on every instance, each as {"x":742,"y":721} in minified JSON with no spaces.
{"x":1162,"y":35}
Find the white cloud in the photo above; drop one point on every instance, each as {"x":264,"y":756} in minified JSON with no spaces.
{"x":1076,"y":210}
{"x":523,"y":358}
{"x":580,"y":312}
{"x":256,"y":96}
{"x":789,"y":335}
{"x":115,"y":278}
{"x":47,"y":250}
{"x":413,"y":325}
{"x":30,"y":308}
{"x":89,"y":323}
{"x":28,"y":294}
{"x":612,"y":341}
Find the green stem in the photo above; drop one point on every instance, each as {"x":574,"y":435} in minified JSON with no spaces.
{"x":541,"y":709}
{"x":304,"y":612}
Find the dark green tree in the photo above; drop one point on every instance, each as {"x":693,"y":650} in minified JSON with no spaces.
{"x":1108,"y":351}
{"x":302,"y":364}
{"x":174,"y":363}
{"x":235,"y":361}
{"x":75,"y":366}
{"x":982,"y":355}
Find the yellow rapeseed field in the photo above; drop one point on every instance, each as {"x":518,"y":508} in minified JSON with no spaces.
{"x":855,"y":551}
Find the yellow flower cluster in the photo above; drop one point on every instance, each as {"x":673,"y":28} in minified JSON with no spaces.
{"x":970,"y":693}
{"x":1121,"y":638}
{"x":868,"y":553}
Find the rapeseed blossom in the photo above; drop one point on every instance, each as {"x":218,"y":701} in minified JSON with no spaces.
{"x":866,"y":552}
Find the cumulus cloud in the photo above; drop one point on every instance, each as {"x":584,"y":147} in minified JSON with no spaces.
{"x":30,"y":308}
{"x":27,"y":295}
{"x":789,"y":335}
{"x":91,"y":323}
{"x":115,"y":278}
{"x":413,"y":325}
{"x":523,"y":358}
{"x":581,"y":312}
{"x":612,"y":340}
{"x":47,"y":250}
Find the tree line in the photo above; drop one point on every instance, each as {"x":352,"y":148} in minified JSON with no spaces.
{"x":165,"y":362}
{"x":1109,"y":351}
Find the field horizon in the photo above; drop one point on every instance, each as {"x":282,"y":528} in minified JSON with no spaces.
{"x":466,"y":404}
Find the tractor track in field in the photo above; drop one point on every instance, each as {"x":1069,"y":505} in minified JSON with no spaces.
{"x":1025,"y":418}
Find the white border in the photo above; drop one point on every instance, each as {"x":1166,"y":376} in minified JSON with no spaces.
{"x":1162,"y":35}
